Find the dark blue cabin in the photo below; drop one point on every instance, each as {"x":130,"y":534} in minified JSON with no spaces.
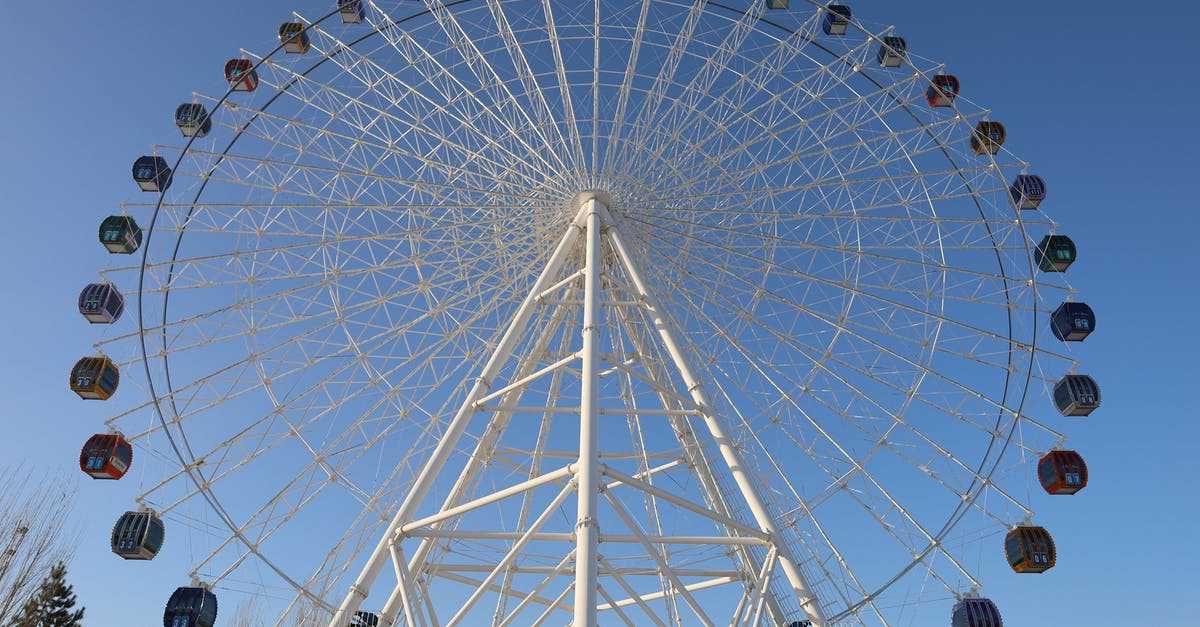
{"x":837,"y":19}
{"x":241,"y":75}
{"x":138,"y":535}
{"x":1076,"y":395}
{"x":364,"y":619}
{"x":988,"y":137}
{"x":1062,"y":472}
{"x":1027,"y":191}
{"x":294,"y":37}
{"x":975,"y":612}
{"x":121,"y":235}
{"x":351,"y":11}
{"x":191,"y":607}
{"x":151,"y":173}
{"x":95,"y":378}
{"x":192,"y":119}
{"x":101,"y":303}
{"x":1072,"y":322}
{"x":942,"y":91}
{"x":1055,"y":253}
{"x":891,"y":51}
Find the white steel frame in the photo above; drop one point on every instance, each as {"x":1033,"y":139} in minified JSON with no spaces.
{"x":587,"y":477}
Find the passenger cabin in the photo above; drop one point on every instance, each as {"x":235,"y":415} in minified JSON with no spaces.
{"x":891,"y":51}
{"x":1027,"y":191}
{"x":364,"y":619}
{"x":1055,"y":253}
{"x":777,"y":4}
{"x":975,"y":612}
{"x":106,"y":456}
{"x":837,"y":19}
{"x":351,"y":11}
{"x":151,"y":173}
{"x":191,"y":607}
{"x":1076,"y":395}
{"x":120,"y":234}
{"x":942,"y":91}
{"x":192,"y":119}
{"x":1062,"y":472}
{"x":95,"y":378}
{"x":1029,"y":550}
{"x":988,"y":138}
{"x":294,"y":37}
{"x":101,"y":303}
{"x":1072,"y":322}
{"x":138,"y":535}
{"x":241,"y":75}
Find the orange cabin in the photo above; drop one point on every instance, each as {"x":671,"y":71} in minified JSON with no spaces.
{"x":1029,"y":550}
{"x":106,"y":456}
{"x":294,"y":37}
{"x":1062,"y":472}
{"x":95,"y":378}
{"x":988,"y":138}
{"x":942,"y":91}
{"x":241,"y":75}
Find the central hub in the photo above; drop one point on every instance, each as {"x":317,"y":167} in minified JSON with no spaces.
{"x":598,"y":195}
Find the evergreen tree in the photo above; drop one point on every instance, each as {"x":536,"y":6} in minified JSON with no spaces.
{"x":52,"y":604}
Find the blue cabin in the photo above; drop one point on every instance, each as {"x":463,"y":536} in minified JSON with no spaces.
{"x":1027,"y":191}
{"x":988,"y":137}
{"x":837,"y":19}
{"x":121,"y":235}
{"x":241,"y":75}
{"x":1076,"y":395}
{"x":891,"y":51}
{"x":942,"y":91}
{"x":1055,"y":253}
{"x":101,"y":303}
{"x":152,"y":174}
{"x":1072,"y":322}
{"x":294,"y":37}
{"x":138,"y":535}
{"x":191,"y":607}
{"x":192,"y":119}
{"x":351,"y":11}
{"x":95,"y":378}
{"x":975,"y":612}
{"x":364,"y":619}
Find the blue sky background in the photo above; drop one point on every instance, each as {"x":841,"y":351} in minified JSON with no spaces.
{"x":1100,"y":96}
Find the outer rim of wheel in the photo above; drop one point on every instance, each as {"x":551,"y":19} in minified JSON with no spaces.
{"x":205,"y":489}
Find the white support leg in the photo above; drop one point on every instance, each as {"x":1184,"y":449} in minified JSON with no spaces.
{"x":587,"y":531}
{"x":458,"y":425}
{"x":758,"y":508}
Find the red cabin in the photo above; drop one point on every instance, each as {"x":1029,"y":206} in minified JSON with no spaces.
{"x":241,"y":75}
{"x":1062,"y":472}
{"x":942,"y":92}
{"x":106,"y":456}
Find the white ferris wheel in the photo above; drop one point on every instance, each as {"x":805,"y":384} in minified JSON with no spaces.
{"x":547,"y":311}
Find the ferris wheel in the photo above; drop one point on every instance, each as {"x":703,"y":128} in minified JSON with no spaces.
{"x":527,"y":312}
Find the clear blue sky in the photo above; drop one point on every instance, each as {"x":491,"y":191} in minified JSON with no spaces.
{"x":1100,"y":96}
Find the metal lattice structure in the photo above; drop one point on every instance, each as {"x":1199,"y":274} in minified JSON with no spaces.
{"x":653,"y":312}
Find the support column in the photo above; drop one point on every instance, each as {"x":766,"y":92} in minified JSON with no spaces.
{"x":730,"y":455}
{"x":587,"y":529}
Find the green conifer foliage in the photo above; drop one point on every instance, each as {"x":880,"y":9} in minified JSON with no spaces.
{"x":52,"y":605}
